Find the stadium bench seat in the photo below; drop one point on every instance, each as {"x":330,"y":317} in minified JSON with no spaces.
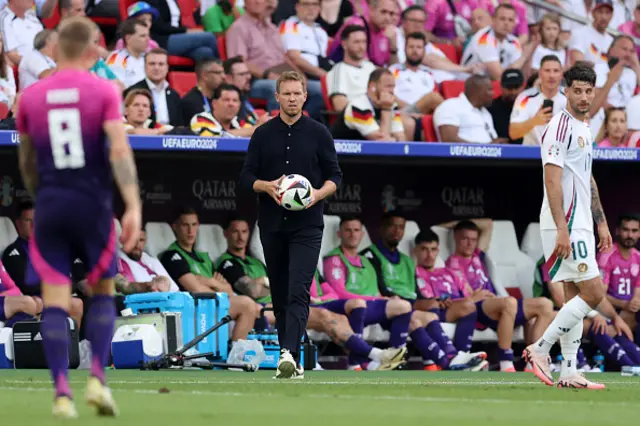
{"x":187,"y":8}
{"x":406,"y":245}
{"x":182,"y":81}
{"x":329,"y":238}
{"x":513,"y":268}
{"x":8,"y":233}
{"x":4,"y":110}
{"x":52,"y":21}
{"x":159,"y":237}
{"x":446,"y":243}
{"x":532,"y":242}
{"x":429,"y":131}
{"x":451,"y":52}
{"x":211,"y":240}
{"x":255,"y":245}
{"x":497,"y":89}
{"x":180,"y":62}
{"x":451,"y":89}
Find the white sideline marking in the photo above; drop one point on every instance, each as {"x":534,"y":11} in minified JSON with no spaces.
{"x":355,"y":381}
{"x":354,"y":397}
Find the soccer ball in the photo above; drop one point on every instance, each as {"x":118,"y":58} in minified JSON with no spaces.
{"x":295,"y":192}
{"x":204,"y":124}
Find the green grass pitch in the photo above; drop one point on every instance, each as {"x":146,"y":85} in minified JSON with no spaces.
{"x":328,"y":398}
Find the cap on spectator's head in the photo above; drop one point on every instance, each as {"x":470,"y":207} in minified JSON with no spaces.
{"x":512,"y":79}
{"x":140,"y":8}
{"x":603,"y":3}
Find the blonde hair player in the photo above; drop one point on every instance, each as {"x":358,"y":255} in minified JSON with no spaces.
{"x":66,"y":163}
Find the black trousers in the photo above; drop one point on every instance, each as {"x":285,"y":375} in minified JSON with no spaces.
{"x":292,"y":259}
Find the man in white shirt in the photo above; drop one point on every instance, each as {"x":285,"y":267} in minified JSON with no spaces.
{"x":496,"y":47}
{"x":128,"y":64}
{"x":415,"y":86}
{"x":373,"y":115}
{"x":616,"y":80}
{"x":305,"y":42}
{"x":591,"y":42}
{"x":142,"y":272}
{"x":349,"y":79}
{"x":38,"y":63}
{"x":466,"y":118}
{"x":442,"y":69}
{"x":19,"y":26}
{"x":530,"y":115}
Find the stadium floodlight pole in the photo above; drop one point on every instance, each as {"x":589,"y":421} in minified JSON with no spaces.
{"x":573,"y":17}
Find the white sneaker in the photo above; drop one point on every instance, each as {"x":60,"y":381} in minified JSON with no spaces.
{"x":392,"y":358}
{"x":286,"y":365}
{"x":99,"y":397}
{"x":299,"y":373}
{"x":483,"y":366}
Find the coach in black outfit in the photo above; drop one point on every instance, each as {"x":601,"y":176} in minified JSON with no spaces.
{"x":290,"y":143}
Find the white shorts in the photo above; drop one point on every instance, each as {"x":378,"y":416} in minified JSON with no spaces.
{"x":581,"y":264}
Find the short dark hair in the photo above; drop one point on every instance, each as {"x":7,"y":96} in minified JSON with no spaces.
{"x":474,"y":82}
{"x":23,"y":206}
{"x":203,"y":63}
{"x":618,"y":38}
{"x":345,"y":219}
{"x":377,"y":74}
{"x":156,"y":51}
{"x":229,"y":63}
{"x":505,"y":6}
{"x":389,"y":216}
{"x":426,"y":236}
{"x":225,"y":87}
{"x":410,"y":9}
{"x":548,"y":58}
{"x":350,"y":29}
{"x":417,"y":36}
{"x":581,"y":73}
{"x":129,"y":27}
{"x":40,"y":40}
{"x":180,"y":211}
{"x":233,"y":218}
{"x":624,"y":217}
{"x":466,"y":225}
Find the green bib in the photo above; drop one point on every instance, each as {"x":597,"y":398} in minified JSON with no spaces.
{"x":318,"y":281}
{"x":251,"y":266}
{"x":359,"y":280}
{"x":203,"y":268}
{"x":399,"y":278}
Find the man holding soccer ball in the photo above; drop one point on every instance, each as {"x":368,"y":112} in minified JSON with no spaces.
{"x":288,"y":158}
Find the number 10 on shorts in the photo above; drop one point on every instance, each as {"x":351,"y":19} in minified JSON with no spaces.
{"x":581,"y":252}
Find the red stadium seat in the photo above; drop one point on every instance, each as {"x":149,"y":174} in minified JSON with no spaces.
{"x":451,"y":52}
{"x":497,"y":89}
{"x":182,"y":81}
{"x":52,"y":21}
{"x":222,"y":47}
{"x":258,"y":103}
{"x":428,"y":130}
{"x":327,"y":100}
{"x":187,"y":7}
{"x":180,"y":62}
{"x":451,"y":89}
{"x":105,"y":21}
{"x":16,"y":74}
{"x":637,"y":90}
{"x":4,"y":110}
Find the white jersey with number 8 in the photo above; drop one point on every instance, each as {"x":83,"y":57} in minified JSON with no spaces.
{"x":567,"y":143}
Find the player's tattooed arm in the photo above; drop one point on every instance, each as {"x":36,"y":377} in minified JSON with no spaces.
{"x":28,"y":165}
{"x":251,"y":288}
{"x":596,"y":205}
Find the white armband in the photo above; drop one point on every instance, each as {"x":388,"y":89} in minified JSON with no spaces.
{"x":593,"y":314}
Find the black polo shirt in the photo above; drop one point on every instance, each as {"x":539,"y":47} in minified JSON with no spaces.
{"x":277,"y":149}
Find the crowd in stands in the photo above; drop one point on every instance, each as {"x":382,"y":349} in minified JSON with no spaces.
{"x":477,"y":71}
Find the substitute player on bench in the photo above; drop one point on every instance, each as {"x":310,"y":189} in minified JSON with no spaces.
{"x":570,"y":205}
{"x":67,"y":164}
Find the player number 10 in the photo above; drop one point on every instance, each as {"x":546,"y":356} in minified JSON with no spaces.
{"x":65,"y":133}
{"x":581,"y":252}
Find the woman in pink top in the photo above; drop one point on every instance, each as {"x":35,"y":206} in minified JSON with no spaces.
{"x":613,"y":133}
{"x":632,"y":28}
{"x":522,"y":26}
{"x":440,"y":23}
{"x":362,"y":7}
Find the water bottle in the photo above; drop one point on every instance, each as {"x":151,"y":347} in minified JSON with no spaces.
{"x":598,"y":360}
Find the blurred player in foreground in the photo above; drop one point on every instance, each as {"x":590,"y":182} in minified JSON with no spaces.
{"x":67,"y":164}
{"x":570,"y":206}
